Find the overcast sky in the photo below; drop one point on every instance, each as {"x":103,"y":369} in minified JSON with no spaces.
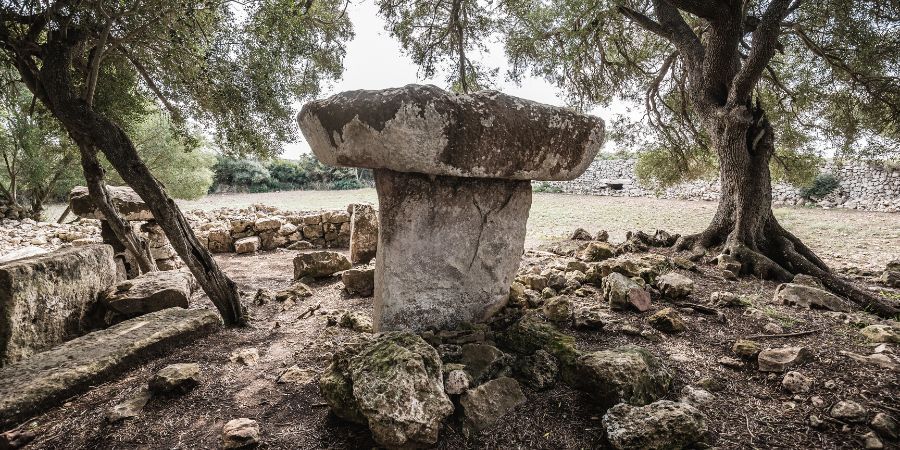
{"x":375,"y":60}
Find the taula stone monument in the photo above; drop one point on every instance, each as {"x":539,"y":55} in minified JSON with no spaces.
{"x":453,"y":179}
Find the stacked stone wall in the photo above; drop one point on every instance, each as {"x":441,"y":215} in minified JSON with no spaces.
{"x":863,"y":185}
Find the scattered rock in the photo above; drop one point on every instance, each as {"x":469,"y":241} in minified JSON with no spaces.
{"x":558,"y":309}
{"x":247,"y":356}
{"x":457,"y":382}
{"x":885,"y":426}
{"x":240,"y":433}
{"x":539,"y":371}
{"x":175,"y":378}
{"x":248,"y":244}
{"x":296,"y":375}
{"x":675,"y":285}
{"x":489,"y":402}
{"x":128,"y":203}
{"x":483,"y":361}
{"x":807,"y":280}
{"x":667,"y":321}
{"x":728,"y":299}
{"x":871,"y":441}
{"x":696,"y":396}
{"x":589,"y":318}
{"x":531,"y":333}
{"x":130,"y":407}
{"x":661,"y":425}
{"x":393,"y":383}
{"x":728,"y":263}
{"x":796,"y":383}
{"x":781,"y":359}
{"x":296,"y":291}
{"x":319,"y":264}
{"x":730,"y":362}
{"x":602,"y":236}
{"x":623,"y":293}
{"x":357,"y":321}
{"x":809,"y":297}
{"x":597,"y":251}
{"x":881,"y":334}
{"x":624,"y":374}
{"x":746,"y":348}
{"x":773,"y":328}
{"x":849,"y":411}
{"x":363,"y":233}
{"x":580,"y":234}
{"x":359,"y":281}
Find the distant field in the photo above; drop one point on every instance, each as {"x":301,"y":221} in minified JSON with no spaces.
{"x":842,"y":237}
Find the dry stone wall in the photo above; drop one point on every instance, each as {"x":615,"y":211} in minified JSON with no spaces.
{"x":863,"y":185}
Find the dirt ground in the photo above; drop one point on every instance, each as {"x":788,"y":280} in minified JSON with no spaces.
{"x":750,"y":409}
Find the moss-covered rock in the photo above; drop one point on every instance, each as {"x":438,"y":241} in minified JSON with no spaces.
{"x":663,"y":425}
{"x":626,"y":374}
{"x":532,"y":333}
{"x":393,"y":383}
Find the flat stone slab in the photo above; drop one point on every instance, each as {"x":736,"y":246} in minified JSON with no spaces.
{"x":128,"y":202}
{"x":45,"y":379}
{"x":152,"y":291}
{"x":49,"y":298}
{"x":424,"y":129}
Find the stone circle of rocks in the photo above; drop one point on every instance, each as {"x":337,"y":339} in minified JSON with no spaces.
{"x":453,"y":175}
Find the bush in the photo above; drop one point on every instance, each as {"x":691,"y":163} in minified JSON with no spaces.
{"x":246,"y":175}
{"x":822,"y":185}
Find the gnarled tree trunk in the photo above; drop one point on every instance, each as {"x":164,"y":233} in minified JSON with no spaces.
{"x":744,"y":224}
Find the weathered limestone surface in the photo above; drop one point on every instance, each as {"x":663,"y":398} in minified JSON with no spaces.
{"x":54,"y":375}
{"x":448,"y":248}
{"x":128,"y":202}
{"x":47,"y":299}
{"x":363,"y":233}
{"x":150,"y":292}
{"x":427,"y":130}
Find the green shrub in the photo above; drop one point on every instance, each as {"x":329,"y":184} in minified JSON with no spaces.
{"x":822,"y":185}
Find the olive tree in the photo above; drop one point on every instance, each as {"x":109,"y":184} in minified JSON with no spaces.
{"x":233,"y":66}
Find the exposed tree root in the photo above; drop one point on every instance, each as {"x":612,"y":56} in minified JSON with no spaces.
{"x":779,"y":255}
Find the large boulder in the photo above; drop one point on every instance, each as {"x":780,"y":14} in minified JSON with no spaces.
{"x":363,"y":233}
{"x":675,"y":285}
{"x":53,"y":297}
{"x":360,"y":281}
{"x":452,"y":174}
{"x":662,"y":425}
{"x":319,"y":264}
{"x":626,"y":374}
{"x":394,"y":384}
{"x":128,"y":202}
{"x":809,"y":297}
{"x":152,"y":291}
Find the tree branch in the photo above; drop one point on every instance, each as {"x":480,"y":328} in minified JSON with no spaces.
{"x":700,"y":8}
{"x":764,"y":43}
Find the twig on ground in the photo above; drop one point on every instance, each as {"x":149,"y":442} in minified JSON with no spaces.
{"x":309,"y":311}
{"x":799,"y":333}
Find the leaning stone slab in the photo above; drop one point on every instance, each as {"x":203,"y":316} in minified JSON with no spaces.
{"x":47,"y":299}
{"x":128,"y":202}
{"x":363,"y":233}
{"x":809,"y":297}
{"x":452,"y":174}
{"x":28,"y":386}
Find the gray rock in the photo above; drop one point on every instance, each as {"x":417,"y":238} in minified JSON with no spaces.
{"x":885,"y":426}
{"x":539,"y":371}
{"x":624,"y":374}
{"x":248,"y":244}
{"x":246,"y":356}
{"x":30,"y":385}
{"x":597,"y":251}
{"x":149,"y":292}
{"x":696,"y":396}
{"x":848,"y":410}
{"x":483,"y":361}
{"x":47,"y":299}
{"x":130,"y":407}
{"x":240,"y":433}
{"x":580,"y":234}
{"x":175,"y":378}
{"x":674,"y":285}
{"x":448,"y":248}
{"x":127,"y":202}
{"x":22,"y":253}
{"x":746,"y":348}
{"x":589,"y":318}
{"x":394,"y":384}
{"x":363,"y":233}
{"x":809,"y":297}
{"x":489,"y":402}
{"x":667,"y":320}
{"x":296,"y":375}
{"x":319,"y":264}
{"x":356,"y":321}
{"x":623,"y":293}
{"x":880,"y":333}
{"x":890,"y":278}
{"x":661,"y":425}
{"x":359,"y":281}
{"x":796,"y":383}
{"x":457,"y":382}
{"x":558,"y":309}
{"x":427,"y":130}
{"x":780,"y":359}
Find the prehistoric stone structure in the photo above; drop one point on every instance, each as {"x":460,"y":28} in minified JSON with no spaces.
{"x":453,"y":179}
